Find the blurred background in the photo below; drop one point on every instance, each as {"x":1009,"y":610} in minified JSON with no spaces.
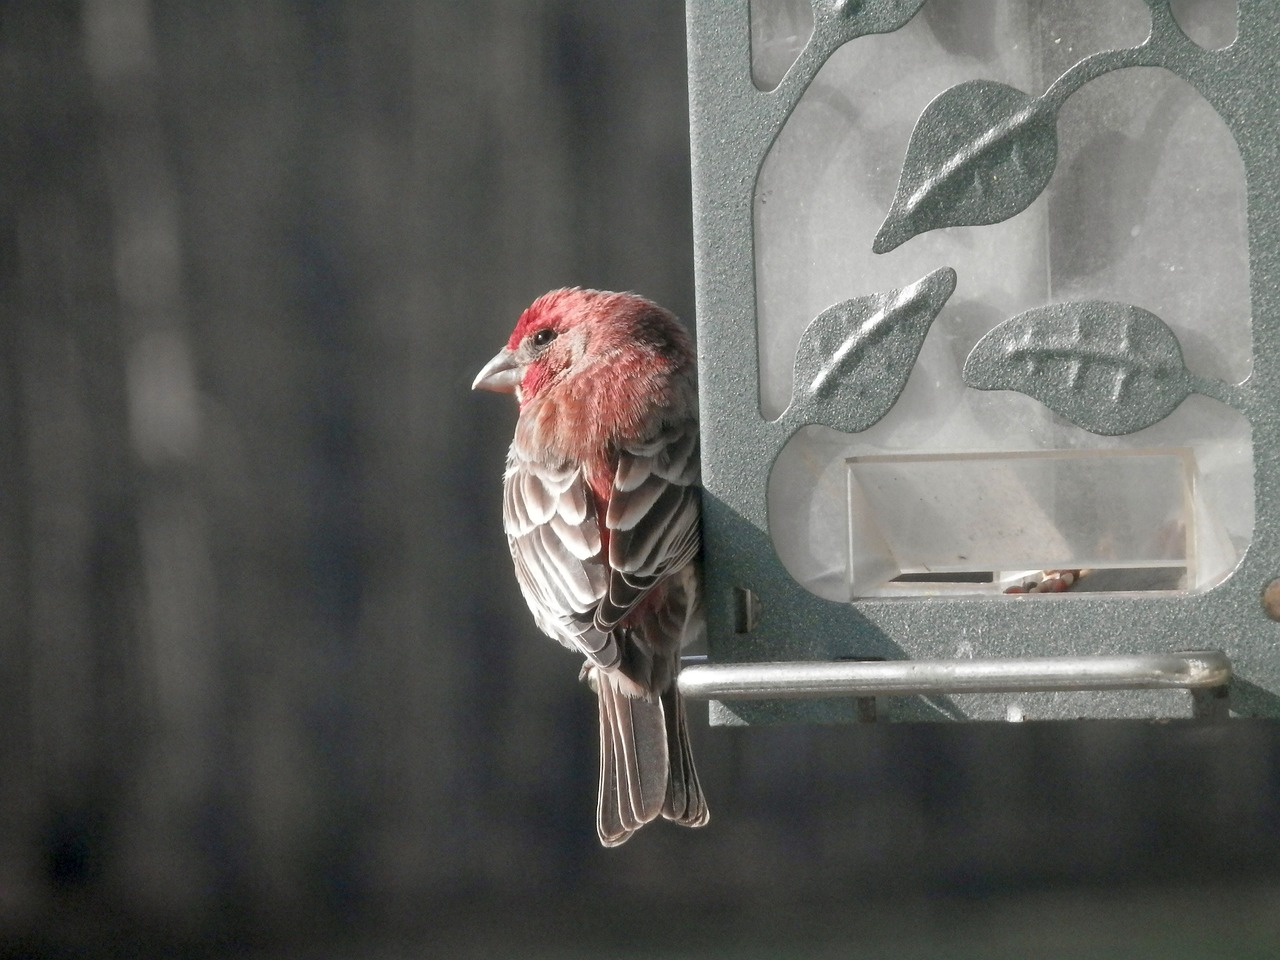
{"x":267,"y":686}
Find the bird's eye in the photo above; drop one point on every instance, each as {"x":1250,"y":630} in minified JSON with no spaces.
{"x":543,"y":337}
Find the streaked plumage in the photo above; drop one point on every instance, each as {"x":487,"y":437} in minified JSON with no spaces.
{"x":601,"y":513}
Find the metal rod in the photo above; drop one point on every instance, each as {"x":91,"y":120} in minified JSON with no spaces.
{"x":860,"y":678}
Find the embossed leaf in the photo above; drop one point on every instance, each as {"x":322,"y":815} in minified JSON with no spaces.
{"x":981,"y":152}
{"x":1109,"y":368}
{"x":854,"y":358}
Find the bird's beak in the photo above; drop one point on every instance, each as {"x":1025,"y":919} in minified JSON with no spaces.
{"x":501,"y":374}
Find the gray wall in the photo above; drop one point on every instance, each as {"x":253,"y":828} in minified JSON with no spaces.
{"x":264,"y":671}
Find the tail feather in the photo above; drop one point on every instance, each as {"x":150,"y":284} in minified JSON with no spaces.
{"x":633,"y":763}
{"x":646,"y":764}
{"x":644,"y":742}
{"x":685,"y":802}
{"x":609,"y":823}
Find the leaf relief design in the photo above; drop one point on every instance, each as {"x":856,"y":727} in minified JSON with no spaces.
{"x":854,"y":358}
{"x":1109,"y":368}
{"x":980,"y":153}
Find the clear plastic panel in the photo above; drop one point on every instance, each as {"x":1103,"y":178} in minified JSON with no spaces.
{"x":1213,"y":24}
{"x":779,"y":31}
{"x":1146,"y":206}
{"x":973,"y":522}
{"x":812,"y":518}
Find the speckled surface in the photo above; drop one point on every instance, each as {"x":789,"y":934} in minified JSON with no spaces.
{"x":733,"y":127}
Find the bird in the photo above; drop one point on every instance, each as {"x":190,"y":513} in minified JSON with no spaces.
{"x":601,"y":501}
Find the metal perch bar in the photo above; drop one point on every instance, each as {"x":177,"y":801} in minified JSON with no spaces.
{"x":1195,"y":671}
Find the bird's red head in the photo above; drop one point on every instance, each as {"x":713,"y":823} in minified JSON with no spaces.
{"x":599,"y":335}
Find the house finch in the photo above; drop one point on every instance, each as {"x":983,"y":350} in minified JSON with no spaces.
{"x":600,"y":510}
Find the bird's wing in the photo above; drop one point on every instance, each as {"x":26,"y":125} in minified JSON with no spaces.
{"x":652,"y":517}
{"x":551,"y":522}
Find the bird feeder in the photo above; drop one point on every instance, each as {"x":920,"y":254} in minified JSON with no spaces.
{"x":988,"y":311}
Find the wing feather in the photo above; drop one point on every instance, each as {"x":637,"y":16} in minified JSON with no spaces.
{"x":577,"y":595}
{"x":652,"y":524}
{"x":554,"y":536}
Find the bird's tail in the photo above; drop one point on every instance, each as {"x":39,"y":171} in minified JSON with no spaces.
{"x":685,"y":802}
{"x":646,"y":764}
